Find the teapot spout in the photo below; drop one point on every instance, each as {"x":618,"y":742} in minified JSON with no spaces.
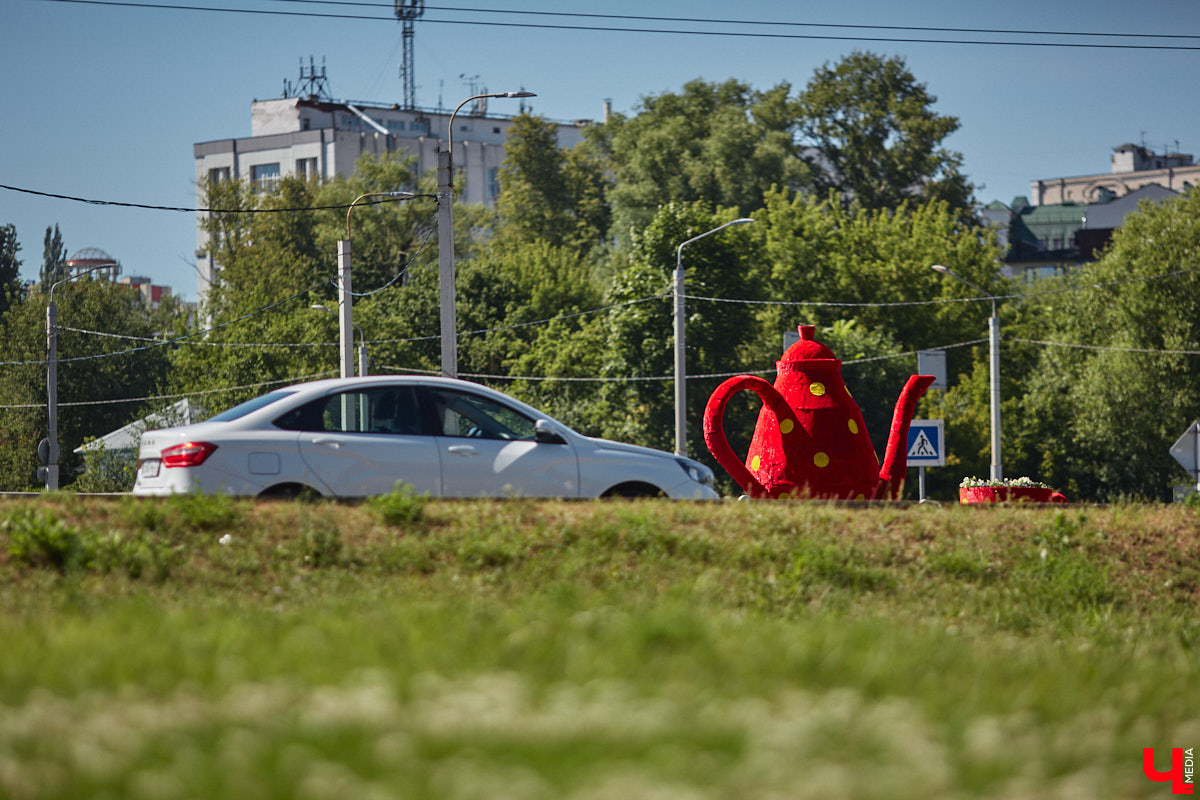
{"x":895,"y":460}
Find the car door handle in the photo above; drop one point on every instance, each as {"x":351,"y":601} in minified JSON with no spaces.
{"x":462,"y":450}
{"x":334,"y":443}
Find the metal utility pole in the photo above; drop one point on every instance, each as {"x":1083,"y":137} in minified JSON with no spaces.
{"x":345,"y":310}
{"x":446,"y":279}
{"x":680,"y":334}
{"x":994,"y":359}
{"x":51,"y":454}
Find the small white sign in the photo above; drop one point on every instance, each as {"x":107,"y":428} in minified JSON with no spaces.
{"x":1185,"y":448}
{"x":933,"y":362}
{"x":926,"y":443}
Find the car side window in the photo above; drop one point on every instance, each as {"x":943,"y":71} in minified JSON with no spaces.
{"x":471,"y":415}
{"x":378,"y":410}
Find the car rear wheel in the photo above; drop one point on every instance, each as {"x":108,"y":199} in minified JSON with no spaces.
{"x":290,"y":491}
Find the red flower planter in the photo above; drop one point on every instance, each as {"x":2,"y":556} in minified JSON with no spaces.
{"x":1009,"y":494}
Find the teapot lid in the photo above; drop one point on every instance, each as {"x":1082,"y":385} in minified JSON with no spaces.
{"x":808,"y":348}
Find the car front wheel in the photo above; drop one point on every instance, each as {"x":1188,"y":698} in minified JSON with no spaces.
{"x":633,"y":490}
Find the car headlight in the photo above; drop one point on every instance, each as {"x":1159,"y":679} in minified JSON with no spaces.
{"x":697,"y":471}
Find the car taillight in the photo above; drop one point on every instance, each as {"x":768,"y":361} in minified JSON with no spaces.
{"x":188,"y":454}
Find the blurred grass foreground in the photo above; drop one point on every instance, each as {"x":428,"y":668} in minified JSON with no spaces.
{"x":402,"y":648}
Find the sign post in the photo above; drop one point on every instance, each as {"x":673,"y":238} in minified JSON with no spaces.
{"x":1186,"y":451}
{"x":926,"y":448}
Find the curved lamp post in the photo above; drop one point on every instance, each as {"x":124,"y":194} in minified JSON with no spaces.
{"x":445,"y":198}
{"x":680,"y":335}
{"x":52,"y":449}
{"x":994,"y":357}
{"x":346,"y":299}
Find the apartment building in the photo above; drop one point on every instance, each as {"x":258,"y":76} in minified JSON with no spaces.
{"x":317,"y":137}
{"x":1069,"y":221}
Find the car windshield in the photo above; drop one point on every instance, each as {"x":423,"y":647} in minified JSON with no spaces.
{"x":242,"y":409}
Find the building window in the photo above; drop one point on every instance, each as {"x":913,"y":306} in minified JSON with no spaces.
{"x":306,"y":168}
{"x":218,"y":175}
{"x":1056,"y":243}
{"x":493,"y":183}
{"x":264,"y":177}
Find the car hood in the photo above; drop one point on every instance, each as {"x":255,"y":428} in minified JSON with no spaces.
{"x":623,"y":447}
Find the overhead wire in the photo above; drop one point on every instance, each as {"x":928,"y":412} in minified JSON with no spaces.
{"x":148,"y":398}
{"x":670,"y":31}
{"x":201,"y":210}
{"x":729,"y":21}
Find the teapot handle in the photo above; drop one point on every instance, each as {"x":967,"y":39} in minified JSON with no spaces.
{"x":714,"y":426}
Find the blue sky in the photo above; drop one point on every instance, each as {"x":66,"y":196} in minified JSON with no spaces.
{"x":105,"y":102}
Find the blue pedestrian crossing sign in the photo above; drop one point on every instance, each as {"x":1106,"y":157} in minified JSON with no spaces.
{"x":926,"y":443}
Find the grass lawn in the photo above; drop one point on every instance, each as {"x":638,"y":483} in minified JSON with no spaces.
{"x":210,"y":648}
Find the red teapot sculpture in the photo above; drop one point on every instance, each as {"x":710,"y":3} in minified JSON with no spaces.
{"x":810,"y":440}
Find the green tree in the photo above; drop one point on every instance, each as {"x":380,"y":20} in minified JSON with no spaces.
{"x":269,"y":273}
{"x":875,"y":137}
{"x":547,"y":193}
{"x":10,"y":267}
{"x":91,"y":368}
{"x":875,"y":266}
{"x":1099,"y":420}
{"x":54,"y":258}
{"x":640,"y":346}
{"x":723,"y":145}
{"x":277,"y":256}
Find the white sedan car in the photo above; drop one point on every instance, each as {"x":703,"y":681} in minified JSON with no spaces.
{"x":355,"y":437}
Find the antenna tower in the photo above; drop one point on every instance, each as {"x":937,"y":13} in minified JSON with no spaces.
{"x":311,"y":84}
{"x":407,"y":12}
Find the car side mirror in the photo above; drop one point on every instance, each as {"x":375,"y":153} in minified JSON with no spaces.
{"x":545,"y":433}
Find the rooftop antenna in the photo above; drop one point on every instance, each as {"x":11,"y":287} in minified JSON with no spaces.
{"x":312,"y":84}
{"x":407,"y":12}
{"x":479,"y":107}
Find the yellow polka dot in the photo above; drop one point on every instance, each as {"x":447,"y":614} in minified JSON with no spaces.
{"x":821,"y":460}
{"x":817,"y":388}
{"x":754,"y":462}
{"x":852,"y":425}
{"x":786,"y":426}
{"x":860,"y":496}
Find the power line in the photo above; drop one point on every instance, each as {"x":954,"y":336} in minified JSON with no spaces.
{"x":178,"y":339}
{"x":1109,"y":348}
{"x":940,"y":300}
{"x":670,"y":31}
{"x":188,"y":210}
{"x":772,"y":23}
{"x":146,"y":399}
{"x":602,"y":379}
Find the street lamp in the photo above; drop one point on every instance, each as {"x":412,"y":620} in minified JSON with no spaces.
{"x":345,"y":298}
{"x":362,"y":340}
{"x":445,"y":198}
{"x":52,"y":450}
{"x":680,"y":333}
{"x":994,"y":354}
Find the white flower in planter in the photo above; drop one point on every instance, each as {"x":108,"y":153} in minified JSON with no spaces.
{"x":1022,"y":482}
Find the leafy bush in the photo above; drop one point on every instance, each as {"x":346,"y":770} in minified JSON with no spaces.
{"x":39,"y":539}
{"x":401,"y":506}
{"x":321,"y":543}
{"x":107,"y":470}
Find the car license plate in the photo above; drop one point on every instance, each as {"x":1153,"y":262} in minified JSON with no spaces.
{"x":150,"y":468}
